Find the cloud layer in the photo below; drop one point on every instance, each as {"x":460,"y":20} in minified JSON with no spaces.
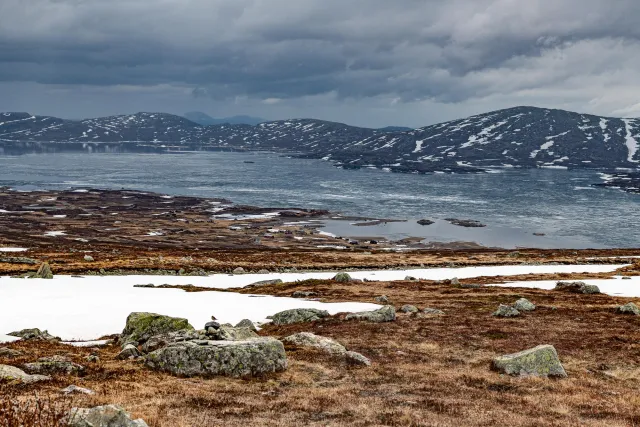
{"x":407,"y":61}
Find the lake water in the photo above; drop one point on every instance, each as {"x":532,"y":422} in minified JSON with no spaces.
{"x":513,"y":204}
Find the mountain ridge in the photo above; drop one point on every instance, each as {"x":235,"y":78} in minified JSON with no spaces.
{"x":521,"y":136}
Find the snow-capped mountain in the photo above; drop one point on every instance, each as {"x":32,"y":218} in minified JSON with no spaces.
{"x":517,"y":137}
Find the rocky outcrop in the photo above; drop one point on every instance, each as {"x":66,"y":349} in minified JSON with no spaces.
{"x":54,"y":365}
{"x":13,"y":374}
{"x":142,"y":326}
{"x":539,"y":361}
{"x":629,"y":308}
{"x":524,"y":304}
{"x":34,"y":334}
{"x":102,"y":416}
{"x":384,"y":314}
{"x":307,"y":339}
{"x":298,"y":315}
{"x":44,"y":272}
{"x":506,"y":311}
{"x":213,"y":358}
{"x":577,"y":288}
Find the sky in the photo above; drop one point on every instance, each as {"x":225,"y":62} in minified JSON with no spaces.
{"x":364,"y":62}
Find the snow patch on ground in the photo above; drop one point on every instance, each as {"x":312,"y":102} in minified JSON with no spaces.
{"x":614,"y":287}
{"x":13,"y":249}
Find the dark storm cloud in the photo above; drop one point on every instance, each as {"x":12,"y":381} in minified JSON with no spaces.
{"x":404,"y":50}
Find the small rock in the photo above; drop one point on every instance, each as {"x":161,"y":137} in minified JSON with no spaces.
{"x":384,"y":314}
{"x":307,"y":339}
{"x":92,"y":358}
{"x":103,"y":416}
{"x":229,"y":333}
{"x":356,"y":359}
{"x":433,"y":311}
{"x":239,"y":270}
{"x":524,"y":304}
{"x":410,"y":279}
{"x":88,"y":258}
{"x":11,"y":373}
{"x":298,"y":315}
{"x":455,"y":281}
{"x":539,"y":361}
{"x":342,"y":277}
{"x":129,"y":351}
{"x":408,"y":308}
{"x":506,"y":311}
{"x":263,"y":271}
{"x":304,"y":294}
{"x":382,"y":299}
{"x":9,"y":353}
{"x":425,"y":222}
{"x":629,"y":308}
{"x":78,"y":390}
{"x":626,"y":278}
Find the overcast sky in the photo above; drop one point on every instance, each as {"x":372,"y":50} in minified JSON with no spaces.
{"x":363,"y":62}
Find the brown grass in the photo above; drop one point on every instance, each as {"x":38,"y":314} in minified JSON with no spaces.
{"x":426,"y":371}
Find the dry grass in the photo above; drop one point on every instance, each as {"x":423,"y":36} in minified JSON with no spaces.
{"x":426,"y":372}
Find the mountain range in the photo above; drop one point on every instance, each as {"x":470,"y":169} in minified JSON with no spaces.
{"x":520,"y":137}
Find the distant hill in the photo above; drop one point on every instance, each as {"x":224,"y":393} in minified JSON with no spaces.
{"x":394,"y":129}
{"x":206,"y":120}
{"x":520,"y":137}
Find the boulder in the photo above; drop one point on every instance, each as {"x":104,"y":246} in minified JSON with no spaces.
{"x":356,"y":359}
{"x":432,"y":312}
{"x":142,"y":326}
{"x":410,"y":279}
{"x":342,"y":277}
{"x":34,"y":334}
{"x":455,"y":281}
{"x":88,"y":258}
{"x":44,"y":272}
{"x":382,"y":299}
{"x":539,"y":361}
{"x":304,"y":294}
{"x":408,"y":308}
{"x":384,"y":314}
{"x":577,"y":288}
{"x":307,"y":339}
{"x":265,"y":283}
{"x":246,"y":323}
{"x":239,"y":270}
{"x":102,"y":416}
{"x":524,"y":304}
{"x":9,"y":353}
{"x":629,"y":308}
{"x":129,"y":351}
{"x":506,"y":311}
{"x":11,"y":374}
{"x":298,"y":315}
{"x":213,"y":358}
{"x":54,"y":365}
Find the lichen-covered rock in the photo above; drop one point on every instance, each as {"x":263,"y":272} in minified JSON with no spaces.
{"x":506,"y":311}
{"x":162,"y":340}
{"x":577,"y":288}
{"x":229,"y":333}
{"x":102,"y":416}
{"x":213,"y":358}
{"x":34,"y":334}
{"x":342,"y":277}
{"x":356,"y":359}
{"x":382,"y":299}
{"x":408,"y":308}
{"x":129,"y":351}
{"x":298,"y":315}
{"x":54,"y":365}
{"x":13,"y":374}
{"x":524,"y":304}
{"x":142,"y":326}
{"x":44,"y":272}
{"x":88,"y":258}
{"x":384,"y":314}
{"x":246,"y":323}
{"x":629,"y":308}
{"x":265,"y":283}
{"x":304,"y":294}
{"x":432,"y":312}
{"x":539,"y":361}
{"x":307,"y":339}
{"x":239,"y":270}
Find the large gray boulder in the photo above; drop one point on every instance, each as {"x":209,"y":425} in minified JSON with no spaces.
{"x":213,"y":358}
{"x":103,"y":416}
{"x":577,"y":288}
{"x":298,"y":315}
{"x":11,"y":374}
{"x":142,"y":326}
{"x":506,"y":311}
{"x":524,"y":304}
{"x":408,"y":308}
{"x":384,"y":314}
{"x":307,"y":339}
{"x":629,"y":308}
{"x":34,"y":334}
{"x":54,"y":365}
{"x":539,"y":361}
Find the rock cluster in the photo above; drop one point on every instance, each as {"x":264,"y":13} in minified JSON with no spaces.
{"x":34,"y":334}
{"x":577,"y":288}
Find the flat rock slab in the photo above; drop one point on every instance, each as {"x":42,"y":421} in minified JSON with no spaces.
{"x":540,"y":361}
{"x":103,"y":416}
{"x":307,"y":339}
{"x":298,"y":315}
{"x":220,"y":358}
{"x":11,"y":373}
{"x":384,"y":314}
